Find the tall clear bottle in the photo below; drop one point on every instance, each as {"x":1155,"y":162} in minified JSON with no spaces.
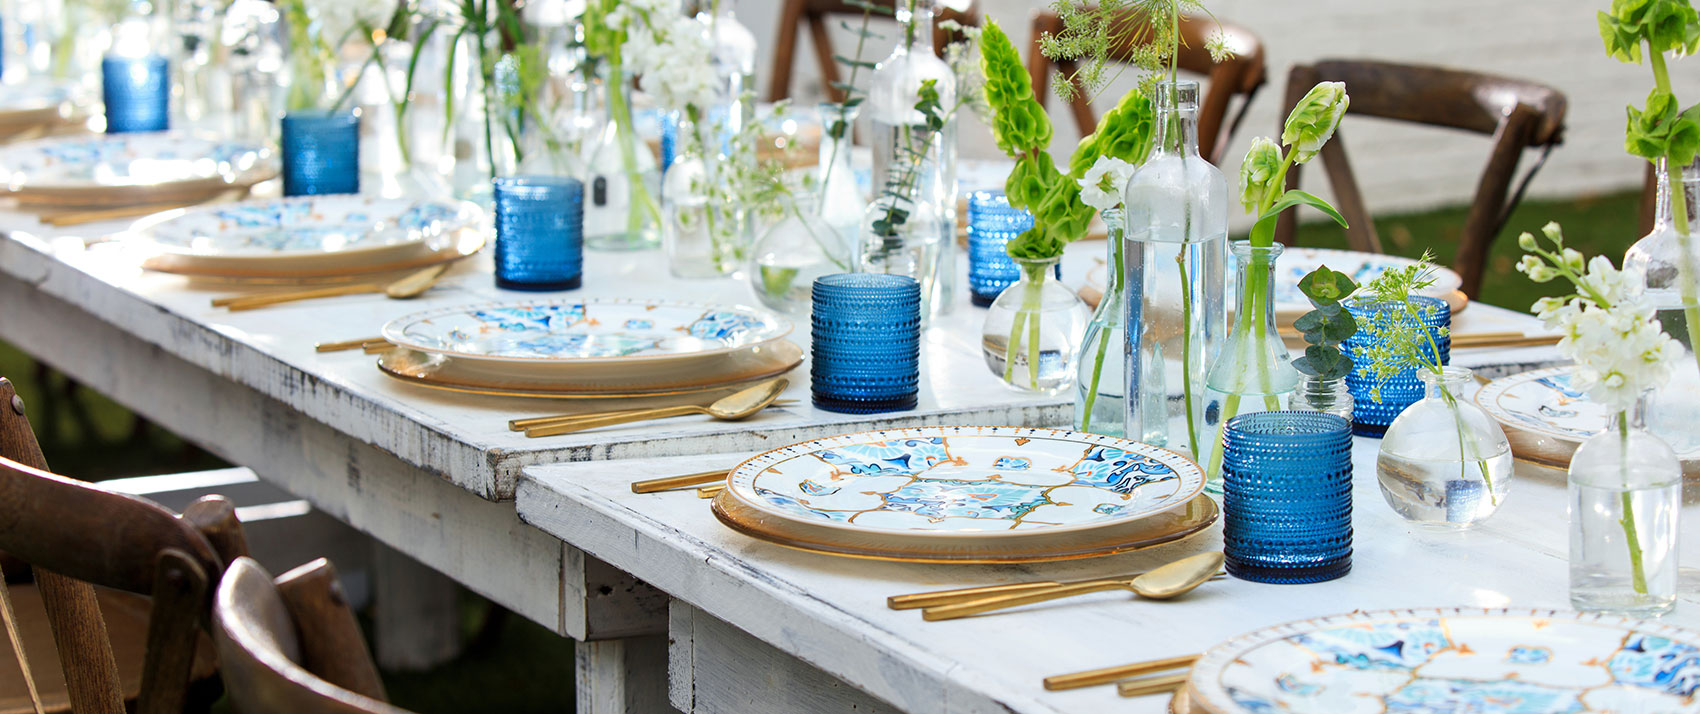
{"x":910,"y":228}
{"x":1176,"y":255}
{"x":1100,"y":400}
{"x":1669,"y":261}
{"x":734,"y":67}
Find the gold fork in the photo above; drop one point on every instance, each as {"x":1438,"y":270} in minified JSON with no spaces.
{"x":1105,"y":675}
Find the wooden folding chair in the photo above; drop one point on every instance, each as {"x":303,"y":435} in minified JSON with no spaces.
{"x":1518,"y":115}
{"x":816,"y":13}
{"x":292,"y":645}
{"x":111,"y":646}
{"x":1238,"y":76}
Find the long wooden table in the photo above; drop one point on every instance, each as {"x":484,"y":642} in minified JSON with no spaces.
{"x":433,"y":475}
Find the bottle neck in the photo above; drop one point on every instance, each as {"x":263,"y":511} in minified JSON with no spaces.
{"x":1450,"y":381}
{"x":1664,"y":207}
{"x":1256,"y":262}
{"x":916,"y":17}
{"x":1176,"y":129}
{"x":1635,"y":417}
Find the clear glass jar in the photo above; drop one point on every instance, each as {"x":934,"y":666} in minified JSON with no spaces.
{"x":1625,"y":507}
{"x":703,"y":235}
{"x":1100,"y":399}
{"x":1253,"y":372}
{"x":793,"y":252}
{"x":1033,"y":331}
{"x":1444,"y":462}
{"x":1330,"y":396}
{"x":1176,"y":257}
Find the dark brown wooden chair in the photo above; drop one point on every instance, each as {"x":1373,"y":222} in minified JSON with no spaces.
{"x":292,"y":646}
{"x":1238,"y":76}
{"x":1518,"y":115}
{"x":816,"y":13}
{"x":92,"y":553}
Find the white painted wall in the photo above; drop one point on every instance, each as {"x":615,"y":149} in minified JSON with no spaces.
{"x":1399,"y":167}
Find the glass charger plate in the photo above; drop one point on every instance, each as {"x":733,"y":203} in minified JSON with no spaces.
{"x":966,"y":482}
{"x":1452,"y":660}
{"x":149,"y":167}
{"x":454,"y":246}
{"x":1545,"y":419}
{"x":1191,"y":517}
{"x":306,"y":231}
{"x":585,"y":331}
{"x":715,"y":372}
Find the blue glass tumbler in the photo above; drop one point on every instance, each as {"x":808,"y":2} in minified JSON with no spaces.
{"x":1400,"y":391}
{"x":992,"y":222}
{"x":137,"y":93}
{"x":321,"y":153}
{"x":1287,"y":497}
{"x":866,"y":343}
{"x":539,"y":232}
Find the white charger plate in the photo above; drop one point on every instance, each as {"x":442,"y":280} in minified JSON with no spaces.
{"x":145,"y":166}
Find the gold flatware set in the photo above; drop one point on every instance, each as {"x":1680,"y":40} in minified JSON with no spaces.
{"x":409,"y":286}
{"x":1132,"y":680}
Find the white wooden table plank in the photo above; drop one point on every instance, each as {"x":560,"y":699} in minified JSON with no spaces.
{"x":830,"y":612}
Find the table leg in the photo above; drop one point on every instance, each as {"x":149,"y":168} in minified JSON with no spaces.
{"x":716,"y":668}
{"x":623,"y":676}
{"x":415,"y":612}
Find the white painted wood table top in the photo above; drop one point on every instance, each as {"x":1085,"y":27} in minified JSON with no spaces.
{"x":463,"y":437}
{"x":830,"y":611}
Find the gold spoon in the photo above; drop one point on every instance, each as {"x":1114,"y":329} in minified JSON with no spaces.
{"x":1172,"y":580}
{"x":409,"y":286}
{"x":732,"y":407}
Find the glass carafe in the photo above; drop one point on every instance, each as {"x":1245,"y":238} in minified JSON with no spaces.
{"x":1101,"y":390}
{"x":1253,"y":372}
{"x":622,"y":180}
{"x":1175,"y":251}
{"x":1444,"y":462}
{"x":1625,"y":505}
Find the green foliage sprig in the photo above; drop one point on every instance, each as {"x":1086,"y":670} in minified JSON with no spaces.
{"x":1402,"y":341}
{"x":1327,"y":326}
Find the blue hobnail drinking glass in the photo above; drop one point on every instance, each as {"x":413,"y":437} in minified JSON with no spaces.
{"x":992,"y":223}
{"x":866,"y":343}
{"x":321,"y":153}
{"x":137,"y":93}
{"x":1287,"y":497}
{"x":539,"y":232}
{"x":1370,"y":418}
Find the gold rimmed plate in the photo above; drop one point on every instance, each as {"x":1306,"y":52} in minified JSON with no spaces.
{"x":125,"y":169}
{"x":454,"y":246}
{"x":721,"y":372}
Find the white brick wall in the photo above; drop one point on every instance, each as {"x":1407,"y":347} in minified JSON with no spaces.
{"x":1399,"y":168}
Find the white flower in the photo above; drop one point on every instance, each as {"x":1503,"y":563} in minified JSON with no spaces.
{"x":1102,"y":186}
{"x":341,"y":20}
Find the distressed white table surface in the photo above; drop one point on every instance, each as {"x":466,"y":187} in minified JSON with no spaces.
{"x":830,"y":612}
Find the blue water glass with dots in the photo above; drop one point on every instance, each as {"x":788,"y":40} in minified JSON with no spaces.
{"x":866,"y":343}
{"x":539,"y":232}
{"x":992,"y":223}
{"x":1287,"y":497}
{"x":1370,"y":418}
{"x":137,"y":93}
{"x":321,"y":153}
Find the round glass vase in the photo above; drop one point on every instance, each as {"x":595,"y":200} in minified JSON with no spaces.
{"x":800,"y":247}
{"x":1100,"y":396}
{"x":1033,"y":330}
{"x":1444,"y":462}
{"x":1625,"y":508}
{"x":1319,"y":394}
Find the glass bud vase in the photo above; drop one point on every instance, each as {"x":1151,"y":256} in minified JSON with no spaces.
{"x":1329,"y":396}
{"x":1101,"y":389}
{"x":1253,"y":372}
{"x":703,"y":237}
{"x":1033,"y":330}
{"x":1625,"y":505}
{"x":900,"y":236}
{"x":620,"y":211}
{"x":800,"y":247}
{"x":1176,"y":211}
{"x":840,"y":203}
{"x":1444,"y":462}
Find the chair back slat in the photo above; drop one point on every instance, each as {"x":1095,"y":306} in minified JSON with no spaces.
{"x":1438,"y":96}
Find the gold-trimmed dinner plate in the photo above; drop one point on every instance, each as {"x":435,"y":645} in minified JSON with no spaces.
{"x":1545,"y":419}
{"x":442,"y":372}
{"x":460,"y":244}
{"x":1166,"y":527}
{"x":125,"y":169}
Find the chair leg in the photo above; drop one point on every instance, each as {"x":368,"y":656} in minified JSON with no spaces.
{"x":179,"y":601}
{"x":784,"y":51}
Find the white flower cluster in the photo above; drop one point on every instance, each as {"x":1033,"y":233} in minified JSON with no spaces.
{"x":341,"y":20}
{"x":672,"y":53}
{"x":1608,"y":327}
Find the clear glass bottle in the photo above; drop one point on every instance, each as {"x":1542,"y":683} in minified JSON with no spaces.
{"x":1033,"y":331}
{"x":800,"y":247}
{"x":1175,"y":252}
{"x":734,"y":66}
{"x":1253,"y":372}
{"x":1670,"y":264}
{"x":841,"y":203}
{"x":911,"y":159}
{"x":702,"y":237}
{"x":1625,"y":507}
{"x":623,"y":179}
{"x":253,"y":32}
{"x":1444,"y":462}
{"x":1101,"y":390}
{"x":1330,"y":396}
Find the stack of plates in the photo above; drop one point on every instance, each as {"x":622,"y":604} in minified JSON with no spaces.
{"x":967,"y":494}
{"x":1545,"y":419}
{"x":1451,"y":660}
{"x":310,"y":236}
{"x":32,"y":107}
{"x":592,"y":348}
{"x":128,"y":169}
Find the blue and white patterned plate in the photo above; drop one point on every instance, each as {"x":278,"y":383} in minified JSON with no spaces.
{"x":1543,"y":403}
{"x":305,"y":226}
{"x":109,"y":161}
{"x":1453,"y":660}
{"x":966,"y":480}
{"x":585,"y":331}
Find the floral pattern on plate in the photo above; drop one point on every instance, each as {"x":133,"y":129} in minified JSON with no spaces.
{"x":126,"y":160}
{"x":1542,"y":402}
{"x":967,"y":480}
{"x":587,"y":330}
{"x":1454,"y":660}
{"x":308,"y":225}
